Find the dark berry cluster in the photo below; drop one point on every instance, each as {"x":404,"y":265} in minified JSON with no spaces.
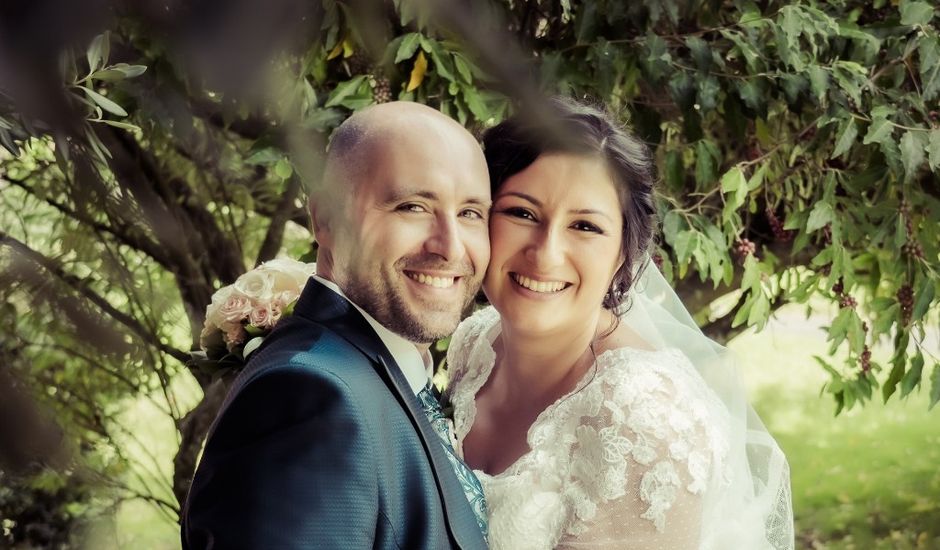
{"x":781,"y":234}
{"x":845,"y":300}
{"x":906,"y":299}
{"x":865,"y":360}
{"x":381,"y":90}
{"x":912,"y":247}
{"x":744,"y":248}
{"x":357,"y":64}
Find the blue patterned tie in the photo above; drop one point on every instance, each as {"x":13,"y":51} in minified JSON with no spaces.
{"x":469,"y":482}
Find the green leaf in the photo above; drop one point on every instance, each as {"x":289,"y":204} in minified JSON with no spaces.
{"x":104,"y":102}
{"x":913,"y":145}
{"x":344,"y":90}
{"x":672,"y":224}
{"x":925,"y":295}
{"x":734,"y":183}
{"x":706,"y":154}
{"x":915,"y":13}
{"x":934,"y":387}
{"x":742,"y":313}
{"x":409,"y":45}
{"x":760,"y":311}
{"x":751,"y":278}
{"x":856,"y":333}
{"x":879,"y":131}
{"x":929,"y":51}
{"x":475,"y":103}
{"x":94,"y":53}
{"x":701,"y":52}
{"x":122,"y":125}
{"x":442,"y":62}
{"x":129,"y":71}
{"x":912,"y":377}
{"x":675,"y":169}
{"x":840,"y":327}
{"x":818,"y":81}
{"x":283,"y":169}
{"x":751,"y":95}
{"x":846,"y":138}
{"x":463,"y":68}
{"x":685,"y":242}
{"x":819,"y":217}
{"x":933,"y":149}
{"x":896,"y":374}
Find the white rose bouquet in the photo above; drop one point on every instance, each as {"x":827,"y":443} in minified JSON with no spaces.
{"x":244,"y":312}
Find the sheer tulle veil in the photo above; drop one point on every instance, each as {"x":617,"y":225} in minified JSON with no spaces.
{"x":749,"y":506}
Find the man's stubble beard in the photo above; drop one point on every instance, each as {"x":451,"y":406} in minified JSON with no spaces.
{"x":386,"y":304}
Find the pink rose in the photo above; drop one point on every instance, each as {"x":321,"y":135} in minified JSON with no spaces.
{"x":235,"y":309}
{"x":234,"y":335}
{"x":265,"y":316}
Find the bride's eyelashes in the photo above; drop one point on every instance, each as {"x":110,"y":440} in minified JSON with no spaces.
{"x":523,"y":213}
{"x":518,"y":212}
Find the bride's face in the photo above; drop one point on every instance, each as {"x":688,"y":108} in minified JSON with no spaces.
{"x":555,"y":238}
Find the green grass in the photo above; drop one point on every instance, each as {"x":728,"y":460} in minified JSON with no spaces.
{"x":867,"y":479}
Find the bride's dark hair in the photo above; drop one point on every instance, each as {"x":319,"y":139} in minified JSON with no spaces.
{"x":564,"y":125}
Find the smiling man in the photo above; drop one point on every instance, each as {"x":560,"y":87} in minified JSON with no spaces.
{"x":326,"y":439}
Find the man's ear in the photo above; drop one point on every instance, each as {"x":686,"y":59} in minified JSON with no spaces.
{"x":321,"y":228}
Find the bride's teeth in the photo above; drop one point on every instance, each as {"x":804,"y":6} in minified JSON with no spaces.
{"x":538,"y":286}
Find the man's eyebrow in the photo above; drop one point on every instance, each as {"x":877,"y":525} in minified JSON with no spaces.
{"x":479,"y":201}
{"x":397,"y":195}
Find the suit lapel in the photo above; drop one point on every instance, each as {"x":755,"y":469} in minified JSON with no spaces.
{"x":320,"y":304}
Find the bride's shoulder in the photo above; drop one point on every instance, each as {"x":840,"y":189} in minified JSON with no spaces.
{"x":469,"y":332}
{"x":662,"y":381}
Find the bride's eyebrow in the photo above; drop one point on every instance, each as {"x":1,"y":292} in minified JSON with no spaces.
{"x":522,"y":196}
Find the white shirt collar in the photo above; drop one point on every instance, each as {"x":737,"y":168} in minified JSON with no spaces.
{"x":416,"y":366}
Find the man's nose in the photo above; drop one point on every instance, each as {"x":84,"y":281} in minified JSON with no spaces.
{"x":445,"y":239}
{"x":546,"y":251}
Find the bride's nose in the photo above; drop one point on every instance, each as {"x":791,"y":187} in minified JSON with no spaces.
{"x":547,"y":249}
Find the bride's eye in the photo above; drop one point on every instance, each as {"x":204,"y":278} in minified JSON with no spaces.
{"x":587,"y":227}
{"x":518,"y":212}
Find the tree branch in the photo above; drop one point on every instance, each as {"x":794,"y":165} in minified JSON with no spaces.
{"x":275,"y":235}
{"x":99,"y":301}
{"x":137,"y":242}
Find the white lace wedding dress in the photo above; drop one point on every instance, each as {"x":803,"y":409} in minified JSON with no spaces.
{"x":633,"y":458}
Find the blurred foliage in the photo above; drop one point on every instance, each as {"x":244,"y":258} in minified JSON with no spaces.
{"x":798,"y":146}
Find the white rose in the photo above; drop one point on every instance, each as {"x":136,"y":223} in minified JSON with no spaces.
{"x":255,"y":284}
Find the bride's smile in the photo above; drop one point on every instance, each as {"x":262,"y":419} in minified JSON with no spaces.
{"x":555,"y":236}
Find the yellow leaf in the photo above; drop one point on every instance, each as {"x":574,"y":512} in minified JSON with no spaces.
{"x":417,"y":74}
{"x":334,"y":53}
{"x":347,"y":48}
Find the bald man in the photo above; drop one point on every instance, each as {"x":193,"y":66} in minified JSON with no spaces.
{"x":326,"y":437}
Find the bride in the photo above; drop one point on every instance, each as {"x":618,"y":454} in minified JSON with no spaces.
{"x":591,"y":407}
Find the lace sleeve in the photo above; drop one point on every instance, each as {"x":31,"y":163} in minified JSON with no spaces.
{"x":463,"y":341}
{"x":645,"y":464}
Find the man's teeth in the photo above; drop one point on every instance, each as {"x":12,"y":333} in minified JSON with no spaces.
{"x":538,"y":286}
{"x":436,"y":282}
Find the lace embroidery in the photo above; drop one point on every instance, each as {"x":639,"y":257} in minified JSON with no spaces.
{"x":644,"y":422}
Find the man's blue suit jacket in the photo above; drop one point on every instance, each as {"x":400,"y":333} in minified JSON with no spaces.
{"x":321,"y":443}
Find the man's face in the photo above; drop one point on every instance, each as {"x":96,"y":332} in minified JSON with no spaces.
{"x":414,"y":245}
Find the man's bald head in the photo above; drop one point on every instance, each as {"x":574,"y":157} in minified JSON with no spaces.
{"x":357,"y":145}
